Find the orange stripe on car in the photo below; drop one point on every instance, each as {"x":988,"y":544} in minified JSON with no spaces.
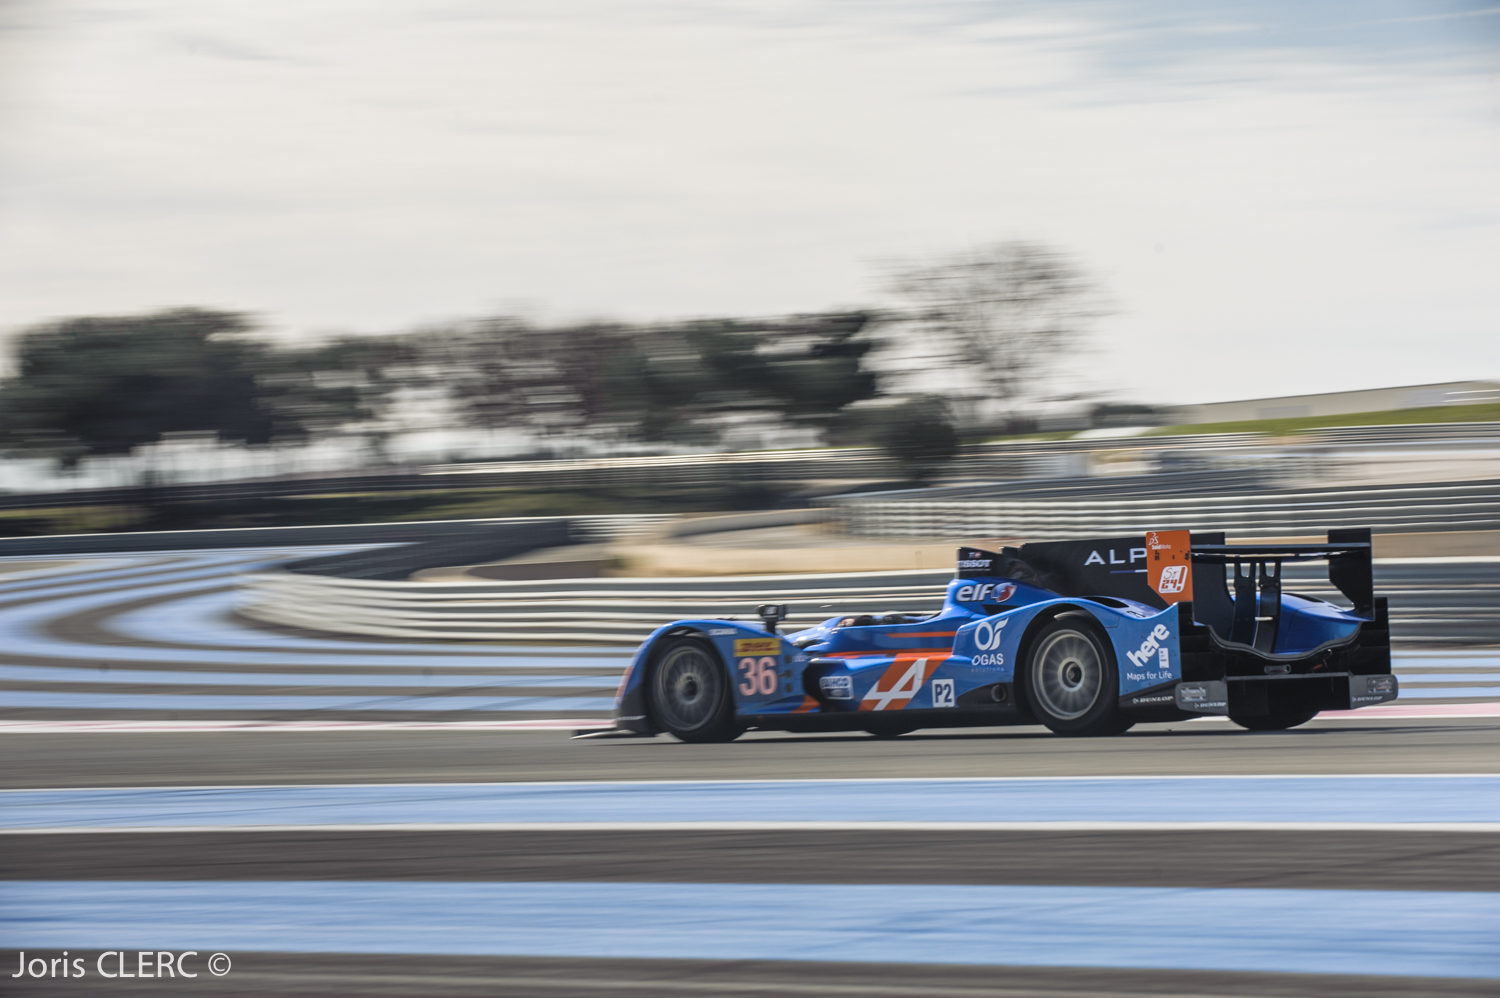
{"x":884,"y":652}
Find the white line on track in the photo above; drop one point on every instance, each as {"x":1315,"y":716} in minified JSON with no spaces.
{"x":1454,"y":711}
{"x":733,"y":781}
{"x":1455,"y":803}
{"x":71,"y":727}
{"x":793,"y":826}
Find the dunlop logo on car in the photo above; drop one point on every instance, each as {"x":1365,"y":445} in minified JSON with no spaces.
{"x":757,"y":646}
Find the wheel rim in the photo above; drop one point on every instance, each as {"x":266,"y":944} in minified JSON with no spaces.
{"x":1069,"y":675}
{"x":686,"y":688}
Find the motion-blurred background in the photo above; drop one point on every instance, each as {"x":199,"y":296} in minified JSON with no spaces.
{"x":891,"y":276}
{"x":374,"y":376}
{"x":351,"y":246}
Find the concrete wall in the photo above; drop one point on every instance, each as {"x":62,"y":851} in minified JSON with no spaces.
{"x":1339,"y":403}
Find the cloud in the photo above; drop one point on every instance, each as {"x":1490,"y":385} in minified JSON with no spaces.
{"x":1319,"y":177}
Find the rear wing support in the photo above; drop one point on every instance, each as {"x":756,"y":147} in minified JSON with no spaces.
{"x":1348,"y":553}
{"x":1257,"y":572}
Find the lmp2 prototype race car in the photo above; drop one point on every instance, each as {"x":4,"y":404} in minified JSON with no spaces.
{"x":1086,"y":637}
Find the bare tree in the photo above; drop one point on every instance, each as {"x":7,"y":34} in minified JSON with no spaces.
{"x":1006,"y":313}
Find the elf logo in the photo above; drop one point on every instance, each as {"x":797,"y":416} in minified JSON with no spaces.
{"x":1151,"y":647}
{"x":985,"y":592}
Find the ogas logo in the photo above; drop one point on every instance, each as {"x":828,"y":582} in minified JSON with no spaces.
{"x":985,"y":592}
{"x":987,"y":637}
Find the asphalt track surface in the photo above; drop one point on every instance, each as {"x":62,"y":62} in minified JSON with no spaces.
{"x":1309,"y":866}
{"x":1353,"y":910}
{"x":262,"y":973}
{"x":1209,"y":748}
{"x":1427,"y":861}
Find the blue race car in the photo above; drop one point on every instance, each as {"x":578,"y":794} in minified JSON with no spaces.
{"x":1085,"y":637}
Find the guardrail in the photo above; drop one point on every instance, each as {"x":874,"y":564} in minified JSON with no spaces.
{"x":1438,"y":602}
{"x":610,"y":611}
{"x":917,"y":513}
{"x":1407,"y":433}
{"x":583,"y":528}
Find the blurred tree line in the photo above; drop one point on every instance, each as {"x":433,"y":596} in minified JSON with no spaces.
{"x":109,"y":385}
{"x":97,"y":386}
{"x":980,"y":329}
{"x":682,"y":383}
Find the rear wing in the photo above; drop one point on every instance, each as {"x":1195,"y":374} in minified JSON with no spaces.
{"x":1164,"y":567}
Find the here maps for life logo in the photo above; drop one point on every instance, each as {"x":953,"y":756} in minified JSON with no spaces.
{"x":1169,"y":565}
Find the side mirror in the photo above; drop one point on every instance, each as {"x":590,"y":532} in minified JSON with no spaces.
{"x":771,"y":614}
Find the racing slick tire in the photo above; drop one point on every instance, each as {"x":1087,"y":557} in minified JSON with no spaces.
{"x":689,"y":695}
{"x":1278,"y":720}
{"x":1072,"y":684}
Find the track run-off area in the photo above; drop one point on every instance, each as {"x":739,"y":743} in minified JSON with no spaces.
{"x":366,"y":817}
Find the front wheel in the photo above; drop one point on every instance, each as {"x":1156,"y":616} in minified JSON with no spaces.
{"x":689,"y":694}
{"x":1071,"y":681}
{"x":1278,"y":720}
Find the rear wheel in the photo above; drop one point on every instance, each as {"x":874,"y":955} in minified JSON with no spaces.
{"x":1276,"y":721}
{"x":689,"y":693}
{"x":1071,"y":681}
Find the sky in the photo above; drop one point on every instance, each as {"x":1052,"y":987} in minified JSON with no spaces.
{"x":1273,"y":197}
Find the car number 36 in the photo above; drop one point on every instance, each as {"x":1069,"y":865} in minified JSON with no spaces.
{"x":759,"y":675}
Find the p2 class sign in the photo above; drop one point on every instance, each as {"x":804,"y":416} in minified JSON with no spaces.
{"x":1169,"y":564}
